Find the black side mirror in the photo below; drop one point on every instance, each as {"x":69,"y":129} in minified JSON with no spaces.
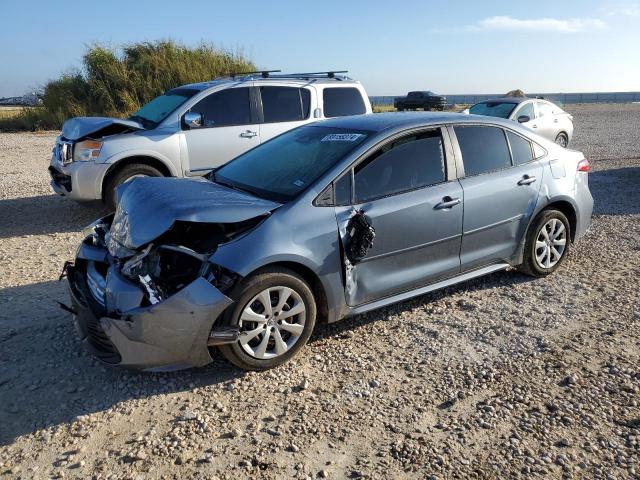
{"x":523,"y":118}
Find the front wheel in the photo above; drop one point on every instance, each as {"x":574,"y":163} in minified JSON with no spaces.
{"x":276,"y":312}
{"x":547,"y":244}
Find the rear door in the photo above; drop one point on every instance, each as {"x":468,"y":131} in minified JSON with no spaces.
{"x":500,"y":184}
{"x":229,"y":127}
{"x":546,"y":125}
{"x":282,"y":108}
{"x":415,"y":206}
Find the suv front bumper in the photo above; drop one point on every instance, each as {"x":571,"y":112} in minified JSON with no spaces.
{"x":169,"y":335}
{"x":80,"y":181}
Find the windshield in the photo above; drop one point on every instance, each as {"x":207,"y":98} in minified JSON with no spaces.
{"x":285,"y":166}
{"x":493,"y":109}
{"x":154,"y":112}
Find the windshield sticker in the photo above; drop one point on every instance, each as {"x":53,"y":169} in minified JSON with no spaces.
{"x":299,"y":183}
{"x":342,"y":137}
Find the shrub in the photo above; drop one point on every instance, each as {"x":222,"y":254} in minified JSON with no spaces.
{"x":116,"y":82}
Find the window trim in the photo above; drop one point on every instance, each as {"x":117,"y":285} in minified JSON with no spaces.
{"x":458,"y":150}
{"x":260,"y":106}
{"x":253,"y":112}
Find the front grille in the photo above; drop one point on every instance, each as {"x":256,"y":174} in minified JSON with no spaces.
{"x":60,"y":178}
{"x":88,"y":320}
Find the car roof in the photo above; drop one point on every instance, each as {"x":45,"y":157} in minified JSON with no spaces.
{"x":378,"y":122}
{"x":293,"y":80}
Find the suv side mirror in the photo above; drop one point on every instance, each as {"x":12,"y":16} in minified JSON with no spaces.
{"x":193,"y":119}
{"x":523,"y":118}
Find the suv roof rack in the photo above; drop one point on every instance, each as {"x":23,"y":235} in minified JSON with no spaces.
{"x":263,"y":73}
{"x":333,"y":74}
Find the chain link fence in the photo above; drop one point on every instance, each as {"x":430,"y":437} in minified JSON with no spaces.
{"x":559,"y":98}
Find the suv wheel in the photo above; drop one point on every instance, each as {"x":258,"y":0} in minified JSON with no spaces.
{"x":276,"y":312}
{"x":547,"y":244}
{"x":126,"y":174}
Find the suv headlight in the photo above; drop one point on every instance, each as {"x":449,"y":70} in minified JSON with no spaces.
{"x":86,"y":150}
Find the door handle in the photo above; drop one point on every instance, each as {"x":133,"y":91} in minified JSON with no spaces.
{"x":526,"y":180}
{"x":555,"y":120}
{"x":534,"y":126}
{"x":447,"y":202}
{"x":248,"y":134}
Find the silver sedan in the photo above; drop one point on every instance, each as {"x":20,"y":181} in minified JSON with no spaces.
{"x":543,"y":117}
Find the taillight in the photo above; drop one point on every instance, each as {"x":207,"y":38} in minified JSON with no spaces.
{"x":583,"y":166}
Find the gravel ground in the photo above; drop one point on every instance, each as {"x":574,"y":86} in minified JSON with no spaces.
{"x":501,"y":377}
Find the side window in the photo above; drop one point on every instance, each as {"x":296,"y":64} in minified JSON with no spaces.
{"x":227,"y":107}
{"x":342,"y":190}
{"x":520,"y":148}
{"x":527,"y":110}
{"x":284,"y":104}
{"x":410,"y":162}
{"x":544,"y":109}
{"x":339,"y":102}
{"x":484,"y":149}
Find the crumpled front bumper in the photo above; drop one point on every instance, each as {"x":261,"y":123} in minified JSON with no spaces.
{"x":169,"y":335}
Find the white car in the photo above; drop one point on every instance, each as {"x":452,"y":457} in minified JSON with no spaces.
{"x":190,"y":130}
{"x":543,"y":117}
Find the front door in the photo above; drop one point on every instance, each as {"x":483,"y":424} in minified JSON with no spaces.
{"x":229,"y":128}
{"x":416,"y":213}
{"x":500,"y":195}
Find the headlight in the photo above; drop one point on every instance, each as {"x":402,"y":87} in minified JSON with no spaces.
{"x":118,"y":238}
{"x":86,"y":150}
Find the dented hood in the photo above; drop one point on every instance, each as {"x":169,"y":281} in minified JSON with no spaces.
{"x":152,"y":205}
{"x":80,"y":127}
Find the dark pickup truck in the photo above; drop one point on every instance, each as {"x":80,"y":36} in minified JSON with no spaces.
{"x":415,"y":100}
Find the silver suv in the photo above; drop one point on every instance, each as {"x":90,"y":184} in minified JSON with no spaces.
{"x":193,"y":129}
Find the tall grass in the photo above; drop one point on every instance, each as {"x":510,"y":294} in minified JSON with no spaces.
{"x":116,"y":82}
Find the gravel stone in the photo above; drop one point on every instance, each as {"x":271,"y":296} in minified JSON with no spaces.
{"x":500,"y":377}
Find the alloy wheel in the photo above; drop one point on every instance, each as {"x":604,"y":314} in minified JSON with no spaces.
{"x":272,"y":322}
{"x":550,"y":243}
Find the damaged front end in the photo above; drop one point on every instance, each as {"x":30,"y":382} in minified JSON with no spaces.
{"x":152,"y":307}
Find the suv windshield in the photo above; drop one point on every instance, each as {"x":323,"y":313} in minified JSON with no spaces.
{"x":285,"y":166}
{"x":154,"y":112}
{"x":493,"y":109}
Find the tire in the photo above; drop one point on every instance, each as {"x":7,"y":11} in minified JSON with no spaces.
{"x":246,"y":295}
{"x":562,"y":140}
{"x":123,"y":175}
{"x":535,"y":255}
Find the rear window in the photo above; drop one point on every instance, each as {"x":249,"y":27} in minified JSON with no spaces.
{"x":484,"y":149}
{"x":340,"y":102}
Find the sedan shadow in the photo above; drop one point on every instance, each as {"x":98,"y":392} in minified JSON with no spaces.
{"x":47,"y":378}
{"x":45,"y":214}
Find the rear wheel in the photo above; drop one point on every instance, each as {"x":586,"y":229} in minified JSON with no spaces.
{"x":562,"y":139}
{"x":123,"y":175}
{"x":276,"y":312}
{"x":547,"y":244}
